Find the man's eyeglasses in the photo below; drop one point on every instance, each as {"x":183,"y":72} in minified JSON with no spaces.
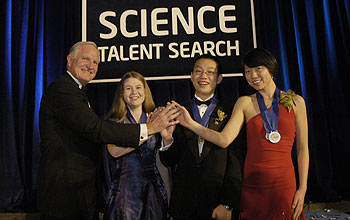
{"x":200,"y":72}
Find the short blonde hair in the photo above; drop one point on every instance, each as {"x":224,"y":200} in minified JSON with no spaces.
{"x":118,"y":109}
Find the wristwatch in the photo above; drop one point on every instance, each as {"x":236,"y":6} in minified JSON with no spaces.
{"x":228,"y":208}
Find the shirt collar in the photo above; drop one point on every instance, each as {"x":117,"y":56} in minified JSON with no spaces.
{"x":75,"y":80}
{"x":197,"y":97}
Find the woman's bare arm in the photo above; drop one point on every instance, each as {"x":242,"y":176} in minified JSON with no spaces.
{"x":302,"y":153}
{"x":227,"y":135}
{"x":117,"y":152}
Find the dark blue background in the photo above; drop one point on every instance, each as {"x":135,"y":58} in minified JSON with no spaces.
{"x":309,"y":38}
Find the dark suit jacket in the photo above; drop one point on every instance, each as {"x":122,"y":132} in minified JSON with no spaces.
{"x":70,"y":136}
{"x":200,"y":184}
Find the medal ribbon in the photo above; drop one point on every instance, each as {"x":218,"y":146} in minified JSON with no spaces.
{"x":205,"y":119}
{"x":132,"y":120}
{"x":270,"y":118}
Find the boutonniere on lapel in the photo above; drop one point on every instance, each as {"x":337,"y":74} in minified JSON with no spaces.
{"x":286,"y":99}
{"x":221,"y":116}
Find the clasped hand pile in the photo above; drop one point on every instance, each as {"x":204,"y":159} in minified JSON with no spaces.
{"x":165,"y":118}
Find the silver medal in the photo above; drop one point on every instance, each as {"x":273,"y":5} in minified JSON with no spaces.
{"x":274,"y":137}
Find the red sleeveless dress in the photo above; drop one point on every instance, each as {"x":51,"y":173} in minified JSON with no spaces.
{"x":269,"y":182}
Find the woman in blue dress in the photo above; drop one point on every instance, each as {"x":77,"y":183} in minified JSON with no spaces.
{"x":135,"y":190}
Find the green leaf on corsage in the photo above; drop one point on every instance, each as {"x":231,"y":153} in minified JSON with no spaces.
{"x":286,"y":99}
{"x":221,"y":116}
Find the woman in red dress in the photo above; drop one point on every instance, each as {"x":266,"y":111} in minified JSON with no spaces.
{"x":273,"y":119}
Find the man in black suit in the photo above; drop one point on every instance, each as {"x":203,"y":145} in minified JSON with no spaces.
{"x":70,"y":136}
{"x":206,"y":178}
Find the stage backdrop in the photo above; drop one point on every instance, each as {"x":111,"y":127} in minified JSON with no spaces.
{"x":160,"y":38}
{"x":310,"y":40}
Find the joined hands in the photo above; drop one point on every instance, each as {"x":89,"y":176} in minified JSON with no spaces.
{"x":184,"y":118}
{"x":162,"y":118}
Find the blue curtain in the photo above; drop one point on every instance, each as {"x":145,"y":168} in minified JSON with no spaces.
{"x":21,"y":90}
{"x":311,"y":40}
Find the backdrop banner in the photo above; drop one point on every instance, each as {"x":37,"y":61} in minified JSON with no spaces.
{"x":160,"y":38}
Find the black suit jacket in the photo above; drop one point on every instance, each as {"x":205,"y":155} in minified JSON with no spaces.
{"x":70,"y":136}
{"x":200,"y":184}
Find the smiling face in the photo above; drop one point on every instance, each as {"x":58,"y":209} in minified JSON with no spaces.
{"x":133,"y":93}
{"x":258,"y":77}
{"x":205,"y":77}
{"x":83,"y":63}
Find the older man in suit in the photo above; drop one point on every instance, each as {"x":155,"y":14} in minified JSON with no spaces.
{"x":70,"y":136}
{"x":206,"y":179}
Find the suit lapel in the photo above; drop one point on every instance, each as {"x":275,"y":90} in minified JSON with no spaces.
{"x":191,"y":137}
{"x":208,"y":145}
{"x":68,"y":78}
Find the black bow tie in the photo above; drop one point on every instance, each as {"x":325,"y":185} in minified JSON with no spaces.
{"x":199,"y":102}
